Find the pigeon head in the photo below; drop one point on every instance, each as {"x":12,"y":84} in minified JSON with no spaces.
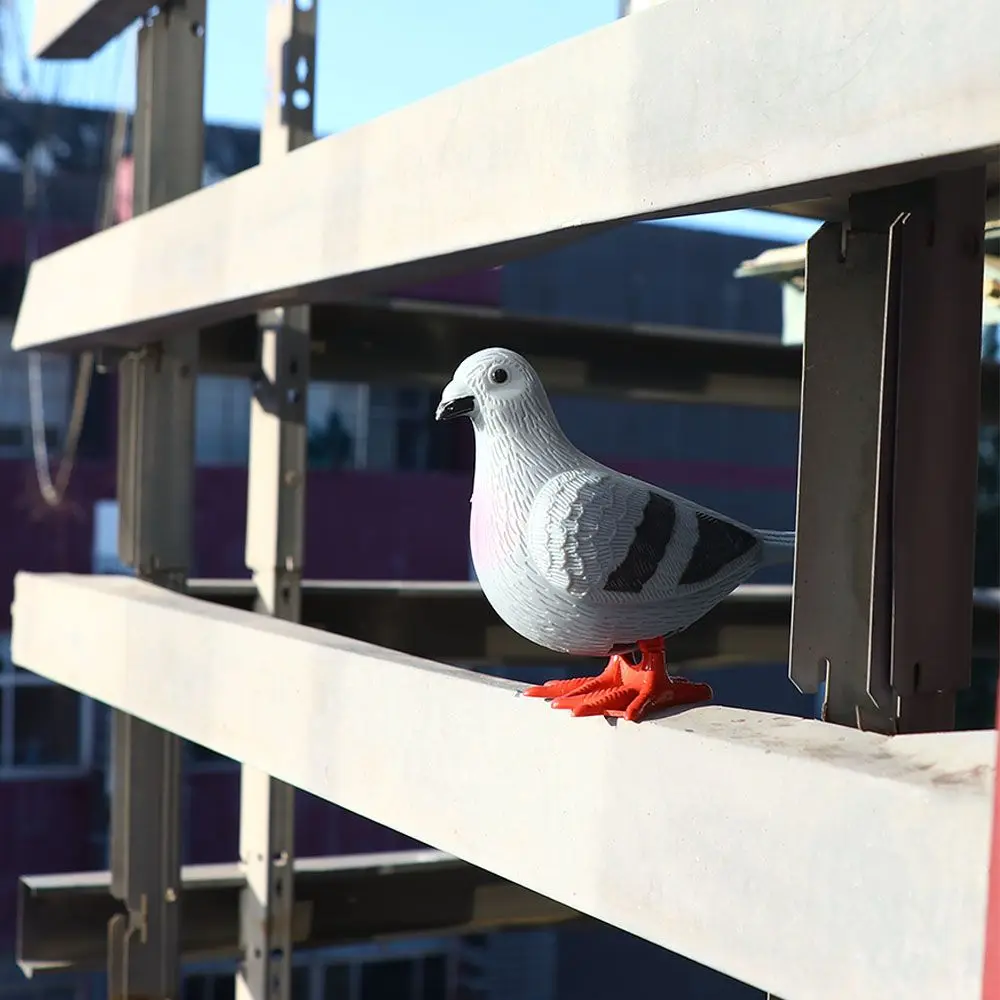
{"x":497,"y":389}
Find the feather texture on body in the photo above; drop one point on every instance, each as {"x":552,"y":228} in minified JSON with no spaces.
{"x":572,"y":554}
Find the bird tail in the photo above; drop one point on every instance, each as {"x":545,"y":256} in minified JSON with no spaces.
{"x":778,"y":547}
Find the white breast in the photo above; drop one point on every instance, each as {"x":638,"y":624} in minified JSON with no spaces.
{"x":512,"y":583}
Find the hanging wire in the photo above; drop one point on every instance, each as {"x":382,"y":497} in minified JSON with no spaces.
{"x":52,"y":490}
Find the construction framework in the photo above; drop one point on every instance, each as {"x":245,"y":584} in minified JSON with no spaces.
{"x":834,"y":111}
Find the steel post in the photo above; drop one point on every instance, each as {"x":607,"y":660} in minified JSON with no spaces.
{"x":275,"y":524}
{"x":937,"y":449}
{"x":887,"y":465}
{"x":155,"y":481}
{"x":846,"y":281}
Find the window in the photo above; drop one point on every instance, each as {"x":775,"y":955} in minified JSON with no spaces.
{"x":337,"y":982}
{"x":385,"y":980}
{"x":45,"y":729}
{"x":337,"y":419}
{"x":398,"y":970}
{"x":401,"y":425}
{"x":208,"y":986}
{"x":42,"y":989}
{"x":104,"y":552}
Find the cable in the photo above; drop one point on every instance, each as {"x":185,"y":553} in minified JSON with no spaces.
{"x":54,"y":491}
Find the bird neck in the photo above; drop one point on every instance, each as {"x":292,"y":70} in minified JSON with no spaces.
{"x":522,"y":459}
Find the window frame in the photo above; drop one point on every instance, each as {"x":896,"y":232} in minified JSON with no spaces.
{"x":11,"y":680}
{"x":354,"y":958}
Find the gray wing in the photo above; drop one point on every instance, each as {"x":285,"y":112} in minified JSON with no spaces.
{"x":606,"y":538}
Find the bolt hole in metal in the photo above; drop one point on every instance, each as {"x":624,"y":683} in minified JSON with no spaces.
{"x":301,"y":98}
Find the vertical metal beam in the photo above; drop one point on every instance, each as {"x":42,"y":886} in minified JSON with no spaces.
{"x":937,"y":448}
{"x":155,"y":485}
{"x":275,"y":522}
{"x":847,"y":272}
{"x":882,"y":606}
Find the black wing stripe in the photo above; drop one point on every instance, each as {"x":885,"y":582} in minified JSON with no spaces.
{"x":652,"y":536}
{"x":719,"y":543}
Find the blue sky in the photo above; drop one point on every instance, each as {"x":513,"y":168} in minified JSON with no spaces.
{"x":374,"y":56}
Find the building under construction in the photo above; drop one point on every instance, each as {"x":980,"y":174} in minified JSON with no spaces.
{"x":828,"y":834}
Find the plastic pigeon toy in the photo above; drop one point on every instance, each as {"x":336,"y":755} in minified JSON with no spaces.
{"x":585,"y":560}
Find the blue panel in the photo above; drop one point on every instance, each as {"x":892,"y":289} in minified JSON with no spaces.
{"x":645,"y":273}
{"x":648,"y":431}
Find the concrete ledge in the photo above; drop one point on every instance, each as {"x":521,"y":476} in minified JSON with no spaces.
{"x":810,"y":860}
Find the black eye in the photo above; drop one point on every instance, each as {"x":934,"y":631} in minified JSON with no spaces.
{"x":499,"y":375}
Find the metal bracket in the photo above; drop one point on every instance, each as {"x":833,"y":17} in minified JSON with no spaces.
{"x":276,"y":525}
{"x":882,"y":472}
{"x":936,"y":449}
{"x":298,"y":86}
{"x":156,"y":458}
{"x":143,"y":943}
{"x":155,"y":486}
{"x":846,"y":279}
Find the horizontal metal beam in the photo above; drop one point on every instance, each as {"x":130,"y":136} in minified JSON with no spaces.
{"x":546,"y":149}
{"x":62,"y":919}
{"x":694,"y":831}
{"x":419,"y":343}
{"x":76,"y":29}
{"x":454,"y":623}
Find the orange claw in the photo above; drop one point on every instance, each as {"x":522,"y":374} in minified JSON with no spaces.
{"x":624,"y":690}
{"x":609,"y":677}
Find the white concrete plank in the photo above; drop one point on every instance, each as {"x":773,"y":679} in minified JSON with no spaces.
{"x":76,"y":29}
{"x":811,"y":860}
{"x":687,"y":106}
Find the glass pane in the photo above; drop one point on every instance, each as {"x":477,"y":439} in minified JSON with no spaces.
{"x":193,"y":987}
{"x":387,"y":980}
{"x":300,"y":982}
{"x":435,"y":978}
{"x":223,"y":987}
{"x":46,"y":726}
{"x":336,"y":982}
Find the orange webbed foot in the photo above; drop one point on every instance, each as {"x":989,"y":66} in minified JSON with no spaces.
{"x":625,"y":690}
{"x":608,"y":678}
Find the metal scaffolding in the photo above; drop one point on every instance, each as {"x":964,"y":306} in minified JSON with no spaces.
{"x":833,"y":111}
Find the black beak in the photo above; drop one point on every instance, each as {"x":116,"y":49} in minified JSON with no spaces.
{"x":462,"y":406}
